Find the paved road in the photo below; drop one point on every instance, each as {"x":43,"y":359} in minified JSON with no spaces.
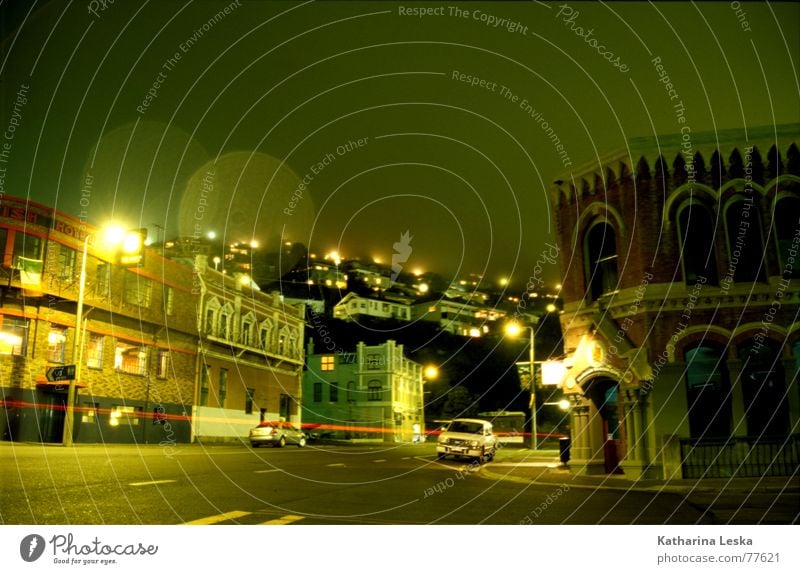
{"x":316,"y":485}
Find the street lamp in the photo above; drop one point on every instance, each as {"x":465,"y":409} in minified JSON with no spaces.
{"x":513,"y":329}
{"x":132,"y":249}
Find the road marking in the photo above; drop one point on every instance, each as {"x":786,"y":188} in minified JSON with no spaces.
{"x":288,"y":519}
{"x":219,"y":517}
{"x":149,"y":482}
{"x":337,"y":464}
{"x":266,"y":471}
{"x":406,"y":458}
{"x":380,"y":460}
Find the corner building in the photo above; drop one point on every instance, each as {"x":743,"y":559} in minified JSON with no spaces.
{"x":681,"y":288}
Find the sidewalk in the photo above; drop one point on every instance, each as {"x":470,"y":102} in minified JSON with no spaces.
{"x":543,"y":467}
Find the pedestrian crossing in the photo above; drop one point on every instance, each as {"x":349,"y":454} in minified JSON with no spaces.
{"x":243,"y":517}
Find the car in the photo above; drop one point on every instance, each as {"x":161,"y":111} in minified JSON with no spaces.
{"x":467,"y":437}
{"x":277,"y":434}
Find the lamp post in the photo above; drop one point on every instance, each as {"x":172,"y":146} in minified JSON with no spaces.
{"x":131,"y":253}
{"x":514,"y":329}
{"x":69,"y":415}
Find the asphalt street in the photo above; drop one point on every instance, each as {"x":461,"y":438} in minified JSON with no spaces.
{"x":315,"y":485}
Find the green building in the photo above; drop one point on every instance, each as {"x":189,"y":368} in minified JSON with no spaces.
{"x":372,"y":394}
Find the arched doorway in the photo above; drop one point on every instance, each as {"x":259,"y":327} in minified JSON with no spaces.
{"x":603,"y":392}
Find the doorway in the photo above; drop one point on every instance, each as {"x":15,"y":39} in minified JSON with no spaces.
{"x":603,"y":392}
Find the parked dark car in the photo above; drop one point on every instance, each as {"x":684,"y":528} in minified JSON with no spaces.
{"x":277,"y":434}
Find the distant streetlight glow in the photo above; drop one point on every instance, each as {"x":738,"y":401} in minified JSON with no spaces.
{"x":551,"y":308}
{"x":503,"y":281}
{"x":423,"y":287}
{"x":211,"y":235}
{"x":431,"y":372}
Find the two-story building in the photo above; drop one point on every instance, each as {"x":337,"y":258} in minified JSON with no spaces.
{"x":374,"y":393}
{"x":138,"y":338}
{"x":681,"y":288}
{"x":250,"y":356}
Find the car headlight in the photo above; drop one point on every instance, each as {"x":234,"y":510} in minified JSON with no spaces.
{"x":442,"y":439}
{"x":475,"y":443}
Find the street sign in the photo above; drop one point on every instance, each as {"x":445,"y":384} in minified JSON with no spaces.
{"x":62,"y":373}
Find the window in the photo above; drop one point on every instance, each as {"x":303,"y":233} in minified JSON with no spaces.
{"x":375,"y":391}
{"x":248,"y":401}
{"x":600,"y":254}
{"x":285,"y":407}
{"x":787,"y":215}
{"x":89,"y":412}
{"x":283,"y":339}
{"x":247,"y":331}
{"x":223,"y":386}
{"x":696,"y":228}
{"x":333,"y":392}
{"x":56,"y":344}
{"x":162,"y":364}
{"x":745,"y":246}
{"x":3,"y":240}
{"x":125,"y":415}
{"x":264,"y":335}
{"x":204,"y":376}
{"x":14,"y":337}
{"x":94,"y":351}
{"x":328,"y":363}
{"x":27,"y":246}
{"x":764,"y":390}
{"x":159,"y":415}
{"x":317,"y":392}
{"x":708,"y":392}
{"x":138,"y":290}
{"x":374,"y":361}
{"x":130,"y":358}
{"x":66,"y":262}
{"x":169,"y":301}
{"x":103,"y":279}
{"x":224,"y":330}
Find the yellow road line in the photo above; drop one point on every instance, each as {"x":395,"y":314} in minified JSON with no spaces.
{"x":219,"y":518}
{"x":288,"y":519}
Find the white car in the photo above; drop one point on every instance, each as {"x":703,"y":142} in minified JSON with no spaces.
{"x":467,"y":437}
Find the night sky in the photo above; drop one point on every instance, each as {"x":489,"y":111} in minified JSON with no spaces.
{"x":343,"y":125}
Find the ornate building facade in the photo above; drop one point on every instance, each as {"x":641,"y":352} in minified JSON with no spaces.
{"x":681,"y":288}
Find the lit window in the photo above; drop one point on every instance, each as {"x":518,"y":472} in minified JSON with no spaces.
{"x":124,"y":415}
{"x":130,"y":358}
{"x":14,"y":337}
{"x":169,"y":304}
{"x":89,"y":412}
{"x":328,"y":363}
{"x":162,"y":364}
{"x":102,"y":283}
{"x":56,"y":344}
{"x":94,"y":351}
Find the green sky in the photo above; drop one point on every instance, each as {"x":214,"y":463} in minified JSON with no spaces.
{"x":382,"y":97}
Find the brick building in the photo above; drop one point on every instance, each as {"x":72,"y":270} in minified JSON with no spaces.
{"x":139,"y":346}
{"x":169,"y":352}
{"x":681,"y":288}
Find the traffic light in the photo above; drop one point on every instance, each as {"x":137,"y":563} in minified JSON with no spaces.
{"x":131,"y":251}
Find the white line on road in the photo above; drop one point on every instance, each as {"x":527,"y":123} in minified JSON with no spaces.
{"x":380,"y":460}
{"x":149,"y":482}
{"x":266,"y":471}
{"x":337,"y":464}
{"x":288,"y":519}
{"x":219,"y":517}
